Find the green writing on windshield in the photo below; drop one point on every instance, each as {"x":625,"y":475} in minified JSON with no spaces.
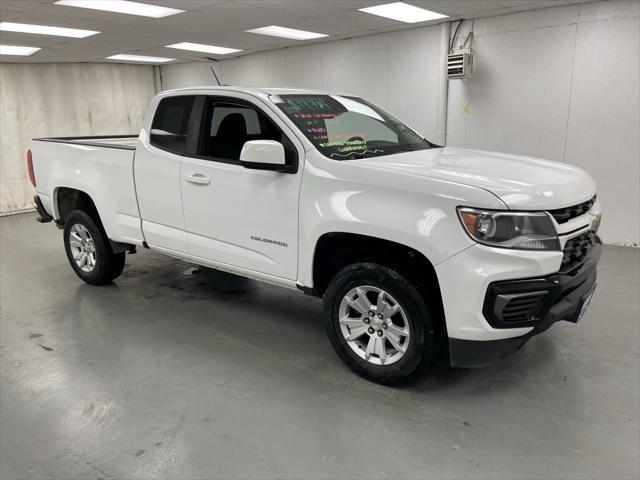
{"x":313,"y":104}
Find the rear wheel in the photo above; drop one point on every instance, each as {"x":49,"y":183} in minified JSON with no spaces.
{"x":379,"y":324}
{"x":89,"y":251}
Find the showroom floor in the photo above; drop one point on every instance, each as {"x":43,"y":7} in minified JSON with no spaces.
{"x":168,"y":375}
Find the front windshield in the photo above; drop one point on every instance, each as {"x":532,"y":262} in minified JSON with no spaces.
{"x":344,"y":128}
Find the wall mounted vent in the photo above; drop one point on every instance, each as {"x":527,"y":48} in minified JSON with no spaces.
{"x":459,"y":65}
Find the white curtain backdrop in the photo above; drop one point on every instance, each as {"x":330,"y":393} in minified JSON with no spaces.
{"x":63,"y":99}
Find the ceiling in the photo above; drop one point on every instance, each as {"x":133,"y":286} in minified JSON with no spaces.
{"x":219,"y":22}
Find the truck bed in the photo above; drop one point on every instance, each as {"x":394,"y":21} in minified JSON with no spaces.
{"x":101,"y":167}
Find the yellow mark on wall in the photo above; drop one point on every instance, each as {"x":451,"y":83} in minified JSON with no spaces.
{"x":465,"y":108}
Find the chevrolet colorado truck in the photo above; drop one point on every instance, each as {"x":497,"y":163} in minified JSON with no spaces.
{"x":411,"y":245}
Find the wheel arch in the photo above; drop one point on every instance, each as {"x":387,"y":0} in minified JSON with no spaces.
{"x":336,"y":250}
{"x":67,"y":199}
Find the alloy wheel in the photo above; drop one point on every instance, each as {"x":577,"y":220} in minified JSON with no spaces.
{"x":374,"y":325}
{"x":83,"y":247}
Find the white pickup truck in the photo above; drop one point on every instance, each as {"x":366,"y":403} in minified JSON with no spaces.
{"x":410,"y":244}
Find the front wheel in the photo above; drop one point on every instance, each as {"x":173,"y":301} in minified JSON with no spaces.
{"x":379,"y":324}
{"x":89,"y":251}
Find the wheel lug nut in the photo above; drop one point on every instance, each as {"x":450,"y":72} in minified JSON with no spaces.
{"x":379,"y":333}
{"x":370,"y":330}
{"x":371,"y":314}
{"x":380,"y":316}
{"x":366,"y":320}
{"x":384,"y":325}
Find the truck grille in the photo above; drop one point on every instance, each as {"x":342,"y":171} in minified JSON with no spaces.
{"x":576,"y":251}
{"x":563,"y":215}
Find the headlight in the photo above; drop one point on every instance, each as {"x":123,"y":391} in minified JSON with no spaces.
{"x":517,"y":230}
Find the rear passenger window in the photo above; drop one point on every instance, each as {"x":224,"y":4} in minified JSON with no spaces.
{"x":169,"y":126}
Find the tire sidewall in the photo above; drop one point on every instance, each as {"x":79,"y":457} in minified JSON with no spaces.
{"x":421,"y":340}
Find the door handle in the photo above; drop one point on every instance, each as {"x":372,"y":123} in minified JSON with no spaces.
{"x":198,"y":179}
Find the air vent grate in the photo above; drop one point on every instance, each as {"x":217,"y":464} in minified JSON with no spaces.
{"x":518,"y":307}
{"x":459,"y":65}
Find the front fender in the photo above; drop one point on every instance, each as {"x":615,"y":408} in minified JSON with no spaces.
{"x":414,"y":211}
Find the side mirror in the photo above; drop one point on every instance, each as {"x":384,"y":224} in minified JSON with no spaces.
{"x":263,"y":155}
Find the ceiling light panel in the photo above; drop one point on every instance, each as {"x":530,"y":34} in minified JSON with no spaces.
{"x":122,"y":6}
{"x":16,"y":50}
{"x":199,"y":47}
{"x":403,"y":12}
{"x":284,"y":32}
{"x":45,"y":30}
{"x":139,"y":58}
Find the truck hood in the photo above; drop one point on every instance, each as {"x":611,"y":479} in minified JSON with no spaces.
{"x":520,"y":182}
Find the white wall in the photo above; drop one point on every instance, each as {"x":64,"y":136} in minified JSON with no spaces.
{"x":393,"y":70}
{"x":64,"y":99}
{"x":562,"y":84}
{"x":558,"y":83}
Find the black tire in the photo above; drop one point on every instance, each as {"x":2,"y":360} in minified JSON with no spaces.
{"x":108,"y":265}
{"x":424,"y":340}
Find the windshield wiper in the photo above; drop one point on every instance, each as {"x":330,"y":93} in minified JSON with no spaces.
{"x":347,"y":156}
{"x":355,"y":154}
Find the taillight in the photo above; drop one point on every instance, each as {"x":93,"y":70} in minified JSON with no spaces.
{"x":32,"y":176}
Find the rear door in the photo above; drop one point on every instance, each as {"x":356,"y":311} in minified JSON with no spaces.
{"x":157,"y":173}
{"x":236,"y":216}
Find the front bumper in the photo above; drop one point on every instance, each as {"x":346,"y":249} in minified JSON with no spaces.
{"x":559,"y":297}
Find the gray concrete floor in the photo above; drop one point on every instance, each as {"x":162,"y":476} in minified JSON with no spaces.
{"x":164,"y":375}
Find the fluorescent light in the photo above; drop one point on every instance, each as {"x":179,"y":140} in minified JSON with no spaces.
{"x":403,"y":12}
{"x":276,"y":31}
{"x":15,"y":50}
{"x":199,"y":47}
{"x":139,"y":58}
{"x":45,"y":30}
{"x":122,"y":6}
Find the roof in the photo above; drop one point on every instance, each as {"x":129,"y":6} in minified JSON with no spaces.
{"x":256,"y":91}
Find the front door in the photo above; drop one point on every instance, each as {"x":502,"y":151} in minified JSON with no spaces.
{"x":236,"y":216}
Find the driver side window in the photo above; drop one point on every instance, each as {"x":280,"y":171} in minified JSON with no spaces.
{"x":228,"y":124}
